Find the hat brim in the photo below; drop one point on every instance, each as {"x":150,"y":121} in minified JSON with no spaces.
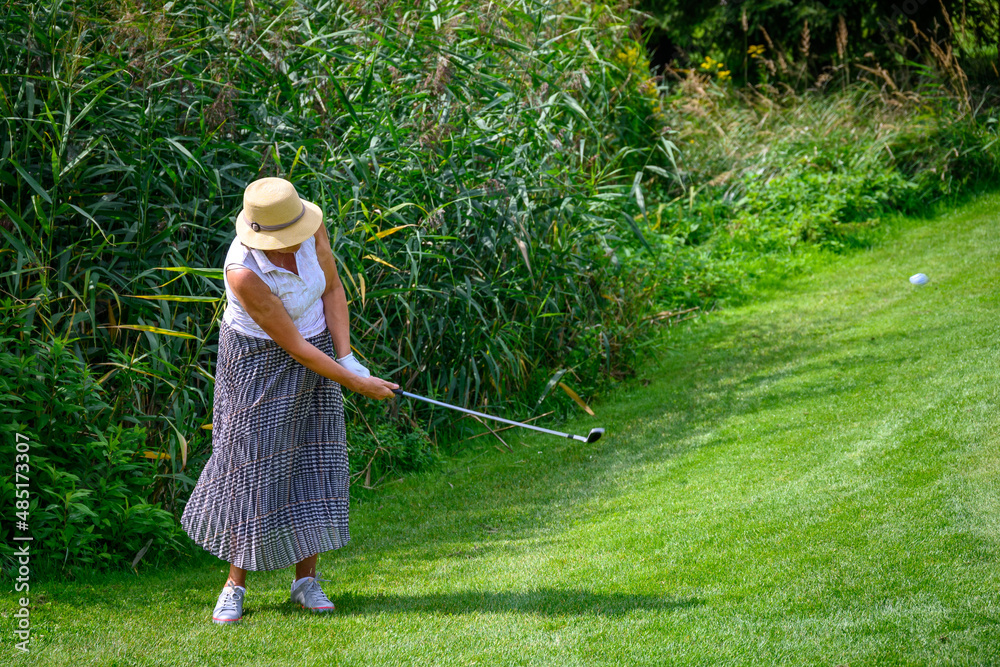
{"x":282,"y":238}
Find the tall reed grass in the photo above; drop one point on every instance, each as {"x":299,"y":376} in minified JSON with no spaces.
{"x":476,"y":163}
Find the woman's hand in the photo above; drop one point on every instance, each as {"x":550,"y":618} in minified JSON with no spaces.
{"x":376,"y":388}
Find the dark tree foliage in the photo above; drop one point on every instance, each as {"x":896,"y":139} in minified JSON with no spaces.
{"x":814,"y":33}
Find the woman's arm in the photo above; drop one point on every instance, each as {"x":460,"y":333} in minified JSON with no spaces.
{"x":269,"y":313}
{"x":334,"y":296}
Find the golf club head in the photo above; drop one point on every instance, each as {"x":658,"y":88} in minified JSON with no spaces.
{"x":595,"y":434}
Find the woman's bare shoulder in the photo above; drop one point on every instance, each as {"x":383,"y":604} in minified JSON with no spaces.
{"x":321,"y":234}
{"x":245,"y":281}
{"x":323,"y":249}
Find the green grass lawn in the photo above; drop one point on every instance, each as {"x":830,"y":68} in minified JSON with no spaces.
{"x":812,"y":479}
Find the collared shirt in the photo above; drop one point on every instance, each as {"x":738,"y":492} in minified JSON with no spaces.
{"x":301,"y":294}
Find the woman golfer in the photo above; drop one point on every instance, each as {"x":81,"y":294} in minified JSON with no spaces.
{"x":275,"y":491}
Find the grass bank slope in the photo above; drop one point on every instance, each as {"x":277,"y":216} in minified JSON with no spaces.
{"x":808,"y":480}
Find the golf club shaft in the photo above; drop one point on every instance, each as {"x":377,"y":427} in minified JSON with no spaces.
{"x":485,"y":416}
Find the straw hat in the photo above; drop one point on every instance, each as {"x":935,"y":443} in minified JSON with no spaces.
{"x":274,"y":217}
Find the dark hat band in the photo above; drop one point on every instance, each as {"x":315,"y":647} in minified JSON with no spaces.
{"x":257,"y":227}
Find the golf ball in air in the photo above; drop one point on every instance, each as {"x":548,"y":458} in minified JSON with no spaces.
{"x":919,"y":279}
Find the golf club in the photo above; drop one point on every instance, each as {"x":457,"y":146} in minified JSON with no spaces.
{"x":594,"y":435}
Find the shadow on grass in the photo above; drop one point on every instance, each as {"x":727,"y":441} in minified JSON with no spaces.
{"x":542,"y":601}
{"x":515,"y":497}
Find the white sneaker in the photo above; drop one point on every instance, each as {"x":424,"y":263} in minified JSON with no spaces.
{"x":307,"y":593}
{"x":229,"y":608}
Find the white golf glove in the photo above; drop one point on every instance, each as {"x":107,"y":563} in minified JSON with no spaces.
{"x":353,"y":365}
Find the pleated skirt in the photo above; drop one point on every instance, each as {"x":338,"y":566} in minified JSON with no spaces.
{"x":275,"y":489}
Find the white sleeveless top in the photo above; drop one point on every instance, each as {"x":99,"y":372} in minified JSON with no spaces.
{"x":301,"y":294}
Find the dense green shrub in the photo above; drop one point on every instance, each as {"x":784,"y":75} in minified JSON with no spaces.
{"x":89,"y":480}
{"x":800,"y":40}
{"x":768,"y":178}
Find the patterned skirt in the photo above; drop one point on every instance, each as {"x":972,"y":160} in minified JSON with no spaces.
{"x":275,"y":490}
